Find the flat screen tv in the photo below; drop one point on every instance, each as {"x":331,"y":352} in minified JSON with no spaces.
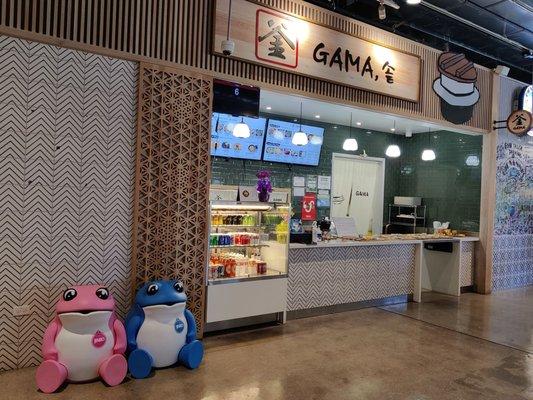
{"x":235,"y":99}
{"x":279,"y":148}
{"x":224,"y":144}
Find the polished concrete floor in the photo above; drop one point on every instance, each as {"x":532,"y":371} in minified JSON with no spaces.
{"x":365,"y":354}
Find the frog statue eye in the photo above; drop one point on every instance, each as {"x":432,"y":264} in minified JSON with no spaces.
{"x":69,"y":294}
{"x":152,"y":289}
{"x":178,"y":286}
{"x":102,"y":293}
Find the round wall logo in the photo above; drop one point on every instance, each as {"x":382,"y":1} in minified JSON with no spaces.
{"x":519,"y":122}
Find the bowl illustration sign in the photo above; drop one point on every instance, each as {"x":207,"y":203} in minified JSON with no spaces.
{"x":456,"y":87}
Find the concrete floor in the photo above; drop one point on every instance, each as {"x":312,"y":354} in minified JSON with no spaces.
{"x":364,"y":354}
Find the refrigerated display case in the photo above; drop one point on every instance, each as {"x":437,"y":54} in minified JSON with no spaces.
{"x":248,"y":260}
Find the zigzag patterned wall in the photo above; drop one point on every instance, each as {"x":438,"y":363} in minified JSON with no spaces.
{"x":67,"y":131}
{"x":338,"y":275}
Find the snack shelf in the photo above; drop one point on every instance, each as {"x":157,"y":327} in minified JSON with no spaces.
{"x":238,"y":246}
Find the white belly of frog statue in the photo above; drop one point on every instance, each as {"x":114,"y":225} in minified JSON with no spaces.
{"x":83,"y":343}
{"x":163,"y":333}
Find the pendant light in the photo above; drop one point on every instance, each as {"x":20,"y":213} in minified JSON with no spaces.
{"x":428,"y":154}
{"x":241,"y":130}
{"x":300,"y":138}
{"x":393,"y":150}
{"x":350,"y":144}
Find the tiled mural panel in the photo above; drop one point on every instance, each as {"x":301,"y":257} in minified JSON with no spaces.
{"x":67,"y":129}
{"x":337,"y":275}
{"x":512,"y":256}
{"x":512,"y":261}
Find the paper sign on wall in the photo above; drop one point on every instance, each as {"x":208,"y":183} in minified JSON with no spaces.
{"x":298,"y":191}
{"x":324,"y":182}
{"x":311,"y":183}
{"x":298,"y":181}
{"x":309,"y":207}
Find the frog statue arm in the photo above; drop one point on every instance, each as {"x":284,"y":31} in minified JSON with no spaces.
{"x":120,"y":336}
{"x":191,"y":326}
{"x":49,"y":349}
{"x":134,"y":320}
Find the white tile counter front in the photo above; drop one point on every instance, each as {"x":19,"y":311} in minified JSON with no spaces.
{"x":346,"y":272}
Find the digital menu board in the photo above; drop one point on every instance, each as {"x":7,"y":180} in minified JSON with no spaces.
{"x":224,"y":144}
{"x":279,"y":147}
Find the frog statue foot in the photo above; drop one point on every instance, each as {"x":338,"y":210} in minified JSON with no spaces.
{"x":50,"y":376}
{"x":161,"y":331}
{"x":191,"y":354}
{"x":114,"y":369}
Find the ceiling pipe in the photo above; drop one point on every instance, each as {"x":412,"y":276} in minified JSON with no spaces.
{"x":473,"y":25}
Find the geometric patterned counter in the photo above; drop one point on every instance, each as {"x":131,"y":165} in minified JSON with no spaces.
{"x":466,"y":272}
{"x":320,"y":277}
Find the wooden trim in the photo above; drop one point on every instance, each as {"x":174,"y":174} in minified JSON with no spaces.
{"x":484,"y":249}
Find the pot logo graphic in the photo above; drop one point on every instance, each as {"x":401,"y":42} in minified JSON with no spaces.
{"x":276,"y":40}
{"x":456,"y":87}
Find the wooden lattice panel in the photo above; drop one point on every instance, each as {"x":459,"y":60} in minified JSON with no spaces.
{"x":173,"y":173}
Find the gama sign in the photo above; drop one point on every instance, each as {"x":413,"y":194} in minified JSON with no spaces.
{"x":519,"y":122}
{"x":270,"y":37}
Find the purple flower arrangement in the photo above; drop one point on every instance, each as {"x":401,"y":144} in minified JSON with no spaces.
{"x":264,"y":187}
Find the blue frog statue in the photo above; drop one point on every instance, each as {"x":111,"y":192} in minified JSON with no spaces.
{"x":160,"y":330}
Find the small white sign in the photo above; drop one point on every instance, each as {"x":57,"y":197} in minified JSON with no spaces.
{"x":345,"y":226}
{"x":278,"y":197}
{"x":298,"y":191}
{"x":298,"y":181}
{"x":324,"y":182}
{"x":248,"y":193}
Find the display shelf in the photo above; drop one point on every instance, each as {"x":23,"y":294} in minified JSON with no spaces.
{"x":247,"y":294}
{"x":239,"y":246}
{"x":235,"y":226}
{"x":271,"y":274}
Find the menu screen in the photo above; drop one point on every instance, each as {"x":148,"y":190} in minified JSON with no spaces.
{"x":279,"y":147}
{"x":224,"y":144}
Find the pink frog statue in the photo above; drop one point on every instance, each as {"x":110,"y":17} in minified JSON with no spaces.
{"x":85,"y":340}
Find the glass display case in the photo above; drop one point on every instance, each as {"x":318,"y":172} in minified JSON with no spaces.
{"x":248,"y":262}
{"x":247,"y":241}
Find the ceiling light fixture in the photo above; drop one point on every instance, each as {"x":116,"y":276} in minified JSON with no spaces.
{"x":428,"y":154}
{"x":393,"y":151}
{"x":393,"y":129}
{"x":382,"y":12}
{"x":268,"y":108}
{"x":350,"y":144}
{"x":241,"y":130}
{"x":358,"y":123}
{"x":300,"y":138}
{"x":317,"y":116}
{"x":413,"y":2}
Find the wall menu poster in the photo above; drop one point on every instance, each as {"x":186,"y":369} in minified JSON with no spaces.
{"x":279,"y":146}
{"x":224,"y":144}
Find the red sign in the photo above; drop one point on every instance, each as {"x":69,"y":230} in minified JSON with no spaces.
{"x":274,"y":41}
{"x":309,"y":207}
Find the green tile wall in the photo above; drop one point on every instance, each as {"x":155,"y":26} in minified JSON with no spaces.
{"x":449,"y":188}
{"x":397,"y":182}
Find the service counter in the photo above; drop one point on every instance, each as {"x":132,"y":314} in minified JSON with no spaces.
{"x":341,"y":275}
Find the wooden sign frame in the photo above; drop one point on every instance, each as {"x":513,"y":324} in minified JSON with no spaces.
{"x":245,"y":18}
